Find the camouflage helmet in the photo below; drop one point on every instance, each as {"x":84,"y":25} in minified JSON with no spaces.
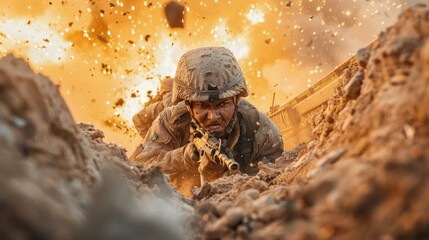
{"x":208,"y":73}
{"x":166,"y":85}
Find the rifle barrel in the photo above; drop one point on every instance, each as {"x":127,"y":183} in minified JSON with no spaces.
{"x":231,"y":164}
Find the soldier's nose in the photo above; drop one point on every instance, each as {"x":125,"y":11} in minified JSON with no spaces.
{"x":213,"y":114}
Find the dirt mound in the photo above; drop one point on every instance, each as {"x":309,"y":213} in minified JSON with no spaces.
{"x":60,"y":181}
{"x":365,"y":174}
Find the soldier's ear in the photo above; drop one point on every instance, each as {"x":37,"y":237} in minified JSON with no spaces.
{"x":188,"y":106}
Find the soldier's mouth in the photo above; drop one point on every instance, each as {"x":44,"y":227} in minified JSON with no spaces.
{"x":214,"y":128}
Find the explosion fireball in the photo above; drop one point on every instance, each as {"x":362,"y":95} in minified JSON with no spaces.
{"x":106,"y":55}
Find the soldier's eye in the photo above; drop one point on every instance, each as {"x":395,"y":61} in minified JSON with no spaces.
{"x":204,"y":106}
{"x":199,"y":105}
{"x":223,"y":104}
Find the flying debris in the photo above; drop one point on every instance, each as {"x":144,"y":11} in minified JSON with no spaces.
{"x":106,"y":68}
{"x":175,"y":14}
{"x":119,"y":103}
{"x":309,"y":43}
{"x":102,"y":38}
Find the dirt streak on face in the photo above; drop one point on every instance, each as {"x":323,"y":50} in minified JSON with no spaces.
{"x":214,"y":116}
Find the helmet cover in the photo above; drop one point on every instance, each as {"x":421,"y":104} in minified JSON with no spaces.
{"x":208,"y":73}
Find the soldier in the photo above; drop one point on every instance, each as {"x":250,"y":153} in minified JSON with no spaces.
{"x":143,"y":119}
{"x":209,"y":85}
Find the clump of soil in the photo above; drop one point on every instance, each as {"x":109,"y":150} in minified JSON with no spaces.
{"x":59,"y":180}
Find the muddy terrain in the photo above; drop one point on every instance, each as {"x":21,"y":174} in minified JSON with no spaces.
{"x":364,"y":175}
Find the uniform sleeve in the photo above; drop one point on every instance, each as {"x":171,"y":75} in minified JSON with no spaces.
{"x":167,"y":100}
{"x":143,"y":119}
{"x":161,"y":148}
{"x":170,"y":160}
{"x":268,"y":141}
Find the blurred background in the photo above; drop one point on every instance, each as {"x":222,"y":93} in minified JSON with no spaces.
{"x":108,"y":57}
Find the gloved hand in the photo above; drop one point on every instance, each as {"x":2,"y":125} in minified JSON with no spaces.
{"x":190,"y":157}
{"x":210,"y":170}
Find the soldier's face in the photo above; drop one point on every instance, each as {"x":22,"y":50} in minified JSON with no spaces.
{"x":214,"y":116}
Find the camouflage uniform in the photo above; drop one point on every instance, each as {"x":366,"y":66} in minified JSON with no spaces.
{"x":143,"y":119}
{"x":253,"y":137}
{"x":165,"y":141}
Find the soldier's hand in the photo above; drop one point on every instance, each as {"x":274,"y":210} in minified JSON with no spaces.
{"x":190,"y":156}
{"x":210,"y":170}
{"x":137,"y":154}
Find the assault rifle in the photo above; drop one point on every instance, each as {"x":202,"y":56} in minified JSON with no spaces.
{"x":213,"y":149}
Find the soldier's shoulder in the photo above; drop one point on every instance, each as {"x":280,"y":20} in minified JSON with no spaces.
{"x":175,"y":116}
{"x":175,"y":112}
{"x":245,"y":105}
{"x":168,"y":100}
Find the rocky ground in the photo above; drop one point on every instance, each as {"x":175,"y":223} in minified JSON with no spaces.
{"x":364,"y":175}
